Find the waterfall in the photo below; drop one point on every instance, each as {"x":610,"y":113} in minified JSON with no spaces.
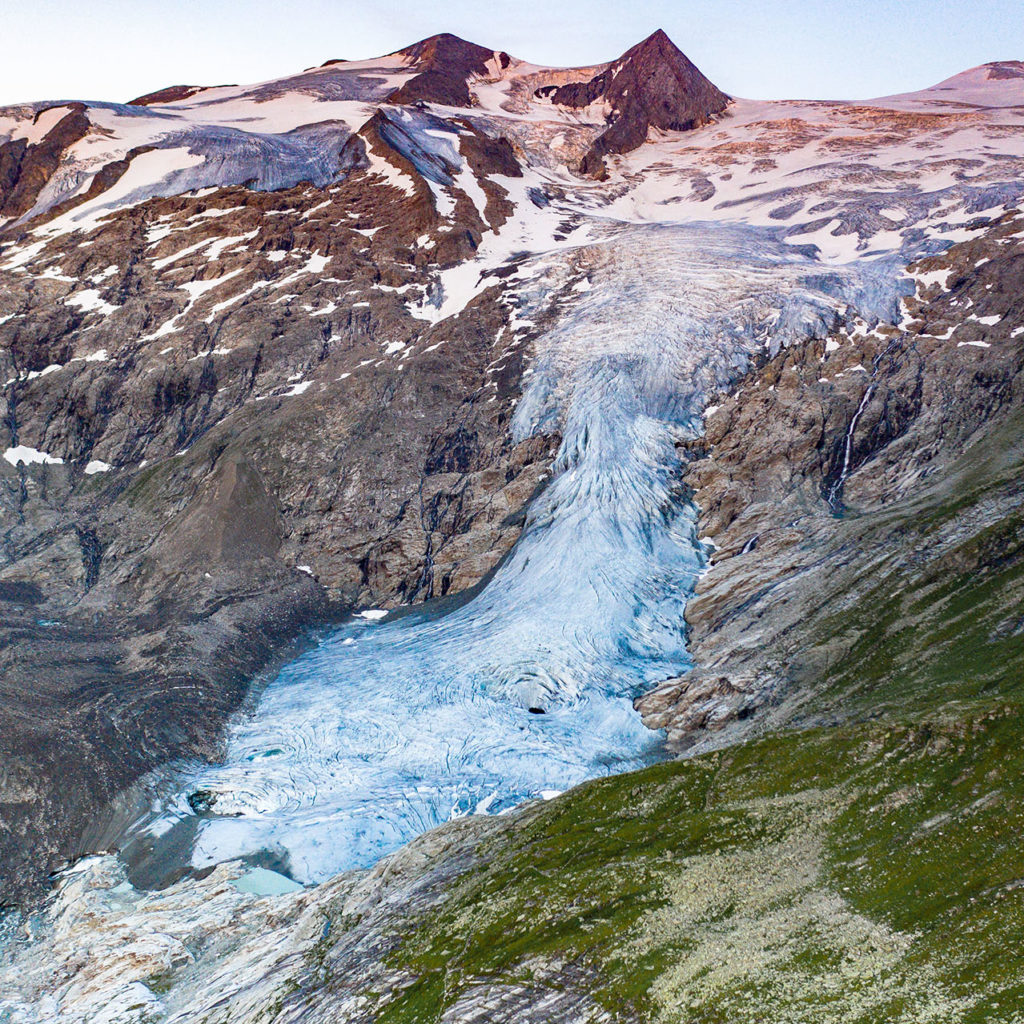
{"x":836,"y":491}
{"x":835,"y":494}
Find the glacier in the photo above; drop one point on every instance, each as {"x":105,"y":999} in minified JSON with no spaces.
{"x":386,"y":728}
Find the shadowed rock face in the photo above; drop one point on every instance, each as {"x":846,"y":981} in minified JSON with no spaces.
{"x":444,"y":66}
{"x":652,"y":85}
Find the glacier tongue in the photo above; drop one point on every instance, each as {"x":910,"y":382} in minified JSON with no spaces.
{"x":385,"y":729}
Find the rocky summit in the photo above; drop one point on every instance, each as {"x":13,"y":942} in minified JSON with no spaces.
{"x":493,"y":542}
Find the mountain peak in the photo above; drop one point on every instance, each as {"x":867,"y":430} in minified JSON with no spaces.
{"x":445,"y":63}
{"x":443,"y":46}
{"x":659,"y":37}
{"x":652,"y":85}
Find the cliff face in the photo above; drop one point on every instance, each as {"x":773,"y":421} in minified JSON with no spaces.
{"x":25,"y":167}
{"x":863,"y":493}
{"x":213,"y":439}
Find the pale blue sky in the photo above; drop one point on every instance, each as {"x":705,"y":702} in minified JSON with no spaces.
{"x":117,"y":49}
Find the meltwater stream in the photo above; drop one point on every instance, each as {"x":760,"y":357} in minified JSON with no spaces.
{"x":388,"y":728}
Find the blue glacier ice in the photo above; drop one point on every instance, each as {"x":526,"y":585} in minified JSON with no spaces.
{"x":386,"y":728}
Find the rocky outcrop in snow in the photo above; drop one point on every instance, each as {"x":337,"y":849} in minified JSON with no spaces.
{"x":653,"y":85}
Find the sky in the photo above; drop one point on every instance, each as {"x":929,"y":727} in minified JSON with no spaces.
{"x":772,"y":49}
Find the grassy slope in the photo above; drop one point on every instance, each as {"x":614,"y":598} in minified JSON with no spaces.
{"x":948,"y":625}
{"x":866,"y":873}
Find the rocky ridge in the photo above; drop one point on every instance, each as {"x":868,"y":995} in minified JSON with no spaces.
{"x":652,"y":86}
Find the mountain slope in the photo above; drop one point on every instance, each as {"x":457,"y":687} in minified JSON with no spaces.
{"x":166,"y":352}
{"x":868,"y":537}
{"x":273,"y":355}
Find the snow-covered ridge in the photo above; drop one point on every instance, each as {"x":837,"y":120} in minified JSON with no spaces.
{"x":273,"y":133}
{"x":996,"y":84}
{"x":771,"y":164}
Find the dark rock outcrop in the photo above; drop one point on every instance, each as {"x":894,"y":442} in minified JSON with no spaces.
{"x":170,"y":94}
{"x":652,"y":85}
{"x":1005,"y":69}
{"x":25,"y":168}
{"x":444,"y":65}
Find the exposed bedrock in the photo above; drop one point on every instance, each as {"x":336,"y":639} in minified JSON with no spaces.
{"x":209,"y":491}
{"x":854,"y":487}
{"x":444,"y":66}
{"x":26,"y":167}
{"x":652,"y":85}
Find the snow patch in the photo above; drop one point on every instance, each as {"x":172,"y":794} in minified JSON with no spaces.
{"x":89,"y":301}
{"x":52,"y":368}
{"x":23,"y":455}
